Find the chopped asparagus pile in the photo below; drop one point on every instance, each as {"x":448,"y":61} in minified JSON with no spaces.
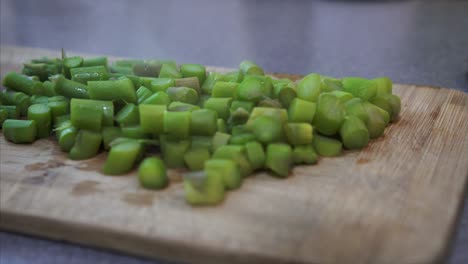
{"x":222,"y":127}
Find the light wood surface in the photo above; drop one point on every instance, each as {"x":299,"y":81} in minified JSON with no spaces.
{"x":393,"y":202}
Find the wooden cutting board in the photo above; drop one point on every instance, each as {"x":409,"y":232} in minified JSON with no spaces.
{"x":393,"y":202}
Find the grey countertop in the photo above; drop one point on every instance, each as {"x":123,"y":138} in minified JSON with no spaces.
{"x":416,"y":42}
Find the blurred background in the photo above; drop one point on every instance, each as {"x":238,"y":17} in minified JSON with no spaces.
{"x":415,"y":42}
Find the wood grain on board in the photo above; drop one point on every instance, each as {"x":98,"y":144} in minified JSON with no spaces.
{"x":393,"y":202}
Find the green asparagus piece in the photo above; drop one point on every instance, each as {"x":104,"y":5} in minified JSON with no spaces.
{"x":385,"y":114}
{"x":228,"y":169}
{"x":47,"y":60}
{"x":238,"y":116}
{"x":203,"y":122}
{"x":343,"y":97}
{"x":194,"y":70}
{"x":169,"y":71}
{"x":220,"y":105}
{"x":182,"y":107}
{"x":236,"y":154}
{"x":281,"y":115}
{"x":58,"y":108}
{"x":48,"y":89}
{"x":224,"y":89}
{"x":19,"y":131}
{"x":301,"y":111}
{"x":109,"y":134}
{"x":152,"y":174}
{"x":267,"y":129}
{"x":92,"y":73}
{"x":384,"y":85}
{"x":388,"y":102}
{"x":279,"y":159}
{"x":95,"y":61}
{"x":91,"y":114}
{"x":3,"y":116}
{"x":86,"y":117}
{"x":21,"y":83}
{"x":202,"y":142}
{"x":161,"y":84}
{"x":122,"y":71}
{"x":299,"y":133}
{"x":268,"y":102}
{"x":309,"y":87}
{"x":12,"y":111}
{"x":177,"y":124}
{"x":234,"y":76}
{"x":331,"y":84}
{"x":242,"y":139}
{"x":219,"y":139}
{"x":255,"y":154}
{"x":285,"y":92}
{"x":239,"y":129}
{"x":195,"y":158}
{"x":122,"y":157}
{"x":43,"y":116}
{"x":376,"y":121}
{"x":183,"y":94}
{"x":221,"y":125}
{"x":128,"y":115}
{"x":210,"y":191}
{"x":250,"y":68}
{"x":360,"y":87}
{"x":152,"y":118}
{"x":173,"y":152}
{"x":355,"y":107}
{"x":86,"y":145}
{"x":19,"y":99}
{"x":329,"y":115}
{"x":70,"y":63}
{"x":158,"y":98}
{"x":39,"y":99}
{"x":190,"y":82}
{"x":69,"y":88}
{"x":210,"y":80}
{"x":354,"y":133}
{"x":147,"y":69}
{"x":41,"y":70}
{"x":266,"y":84}
{"x":66,"y":138}
{"x":304,"y":154}
{"x":136,"y":80}
{"x":60,"y":123}
{"x":135,"y":132}
{"x":143,"y":93}
{"x":250,"y":89}
{"x":327,"y":147}
{"x":117,"y":90}
{"x":146,"y":81}
{"x":34,"y":78}
{"x":248,"y":106}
